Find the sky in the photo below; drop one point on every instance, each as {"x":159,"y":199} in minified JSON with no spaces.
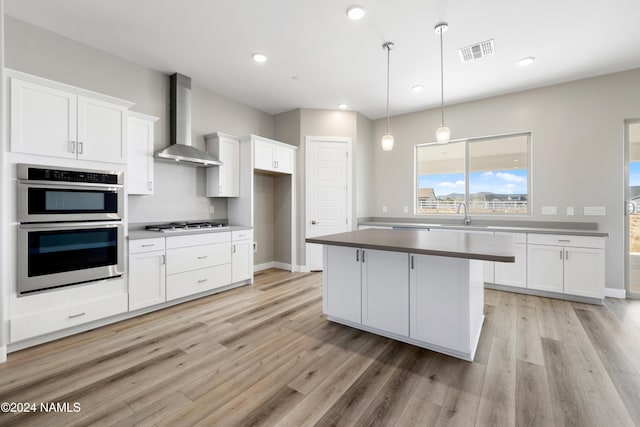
{"x":511,"y":181}
{"x":634,"y":173}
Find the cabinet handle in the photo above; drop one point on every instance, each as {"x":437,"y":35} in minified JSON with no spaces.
{"x":357,"y":255}
{"x":80,"y":147}
{"x":72,"y":146}
{"x":202,"y":280}
{"x":233,"y":249}
{"x":148,"y":245}
{"x":412,"y":267}
{"x":564,"y":240}
{"x":560,"y":253}
{"x":363,"y":255}
{"x":566,"y":254}
{"x":150,"y":185}
{"x":203,"y":257}
{"x":73,"y":316}
{"x":164,"y":260}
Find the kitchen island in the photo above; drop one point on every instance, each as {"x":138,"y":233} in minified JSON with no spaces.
{"x":417,"y":287}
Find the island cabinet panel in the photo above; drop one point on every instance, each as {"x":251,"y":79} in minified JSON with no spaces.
{"x":439,"y":311}
{"x":342,"y":283}
{"x":385,"y":290}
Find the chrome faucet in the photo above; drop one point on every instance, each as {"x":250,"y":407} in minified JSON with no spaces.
{"x":467,"y":220}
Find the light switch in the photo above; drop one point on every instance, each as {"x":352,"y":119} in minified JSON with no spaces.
{"x":570,"y":211}
{"x":549,"y":210}
{"x":406,"y":209}
{"x":384,"y":209}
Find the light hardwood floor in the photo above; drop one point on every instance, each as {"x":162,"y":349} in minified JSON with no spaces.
{"x":265,"y":355}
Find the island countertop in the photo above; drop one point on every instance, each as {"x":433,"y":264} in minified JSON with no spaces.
{"x":499,"y":248}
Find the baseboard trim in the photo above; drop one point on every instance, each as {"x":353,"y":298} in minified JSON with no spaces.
{"x":615,"y":293}
{"x":272,"y":264}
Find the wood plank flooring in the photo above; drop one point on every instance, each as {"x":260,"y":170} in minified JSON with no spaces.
{"x":265,"y":355}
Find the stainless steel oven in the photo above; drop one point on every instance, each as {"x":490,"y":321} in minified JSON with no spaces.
{"x":71,"y":227}
{"x":63,"y":194}
{"x":62,"y":254}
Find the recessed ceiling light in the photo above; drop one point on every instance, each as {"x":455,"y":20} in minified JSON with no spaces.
{"x":343,"y":106}
{"x":356,"y":12}
{"x":259,"y":57}
{"x":526,"y":61}
{"x":417,"y":88}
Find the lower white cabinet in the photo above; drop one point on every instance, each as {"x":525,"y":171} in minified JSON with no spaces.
{"x":513,"y":273}
{"x":147,"y":273}
{"x":572,"y":265}
{"x":241,"y":255}
{"x":342,"y":283}
{"x":385,"y":290}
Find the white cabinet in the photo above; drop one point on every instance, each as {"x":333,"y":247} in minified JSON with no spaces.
{"x":147,"y":281}
{"x":224,"y":180}
{"x":446,"y":297}
{"x":385,"y":291}
{"x":51,"y":119}
{"x":273,"y":156}
{"x":513,"y":273}
{"x":197,"y":263}
{"x":342,"y":283}
{"x":241,"y":255}
{"x":140,"y":160}
{"x":573,"y":265}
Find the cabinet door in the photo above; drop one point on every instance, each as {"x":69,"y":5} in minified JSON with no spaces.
{"x":241,"y":264}
{"x":263,"y":156}
{"x":283,"y":158}
{"x":385,"y":291}
{"x":140,"y":160}
{"x":146,"y":279}
{"x":513,"y":273}
{"x":224,"y":180}
{"x":43,"y":120}
{"x":545,"y":269}
{"x":102,"y":132}
{"x":584,"y":272}
{"x":342,"y":283}
{"x":439,"y":295}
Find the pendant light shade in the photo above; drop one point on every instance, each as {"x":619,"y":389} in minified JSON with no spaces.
{"x":443,"y":133}
{"x":387,"y":138}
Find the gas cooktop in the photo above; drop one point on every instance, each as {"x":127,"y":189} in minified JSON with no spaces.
{"x":184,"y":226}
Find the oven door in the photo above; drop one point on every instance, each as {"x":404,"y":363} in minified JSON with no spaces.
{"x":55,"y":255}
{"x":51,"y":202}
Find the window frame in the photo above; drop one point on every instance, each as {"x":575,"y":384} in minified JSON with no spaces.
{"x":466,"y":172}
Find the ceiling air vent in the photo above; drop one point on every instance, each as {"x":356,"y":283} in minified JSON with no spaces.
{"x":477,"y":51}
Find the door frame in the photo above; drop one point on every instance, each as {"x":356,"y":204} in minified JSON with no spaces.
{"x":627,"y":244}
{"x":308,"y":140}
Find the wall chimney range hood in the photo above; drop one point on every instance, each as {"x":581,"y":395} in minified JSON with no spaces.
{"x":180,"y":148}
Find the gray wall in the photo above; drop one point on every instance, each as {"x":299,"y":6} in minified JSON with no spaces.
{"x":264,"y":220}
{"x":179,"y":190}
{"x":577,"y":150}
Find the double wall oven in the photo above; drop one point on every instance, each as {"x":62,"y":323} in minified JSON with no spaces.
{"x":71,"y":227}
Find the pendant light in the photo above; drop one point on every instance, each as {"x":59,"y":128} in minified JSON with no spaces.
{"x":387,"y":138}
{"x":442,"y":133}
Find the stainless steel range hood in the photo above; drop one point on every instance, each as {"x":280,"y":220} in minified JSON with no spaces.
{"x":180,"y":148}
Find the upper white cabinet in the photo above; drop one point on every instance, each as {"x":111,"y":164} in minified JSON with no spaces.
{"x":273,"y":156}
{"x":572,"y":265}
{"x":224,"y":180}
{"x":52,"y":119}
{"x":140,"y":161}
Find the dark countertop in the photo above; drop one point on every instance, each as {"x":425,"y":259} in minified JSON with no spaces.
{"x":487,"y":247}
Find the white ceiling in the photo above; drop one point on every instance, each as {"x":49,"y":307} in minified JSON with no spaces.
{"x":336,"y":60}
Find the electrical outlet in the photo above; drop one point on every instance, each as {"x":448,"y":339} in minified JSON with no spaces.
{"x":406,"y":209}
{"x":570,"y":211}
{"x":595,"y":211}
{"x":384,"y":209}
{"x":212,"y":209}
{"x":255,"y":246}
{"x":549,"y":210}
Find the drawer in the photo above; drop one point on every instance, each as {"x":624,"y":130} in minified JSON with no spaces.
{"x":198,"y":239}
{"x":517,"y":237}
{"x":193,"y":282}
{"x":61,"y":318}
{"x":566,"y":240}
{"x":196,"y":257}
{"x":242,"y":235}
{"x":146,"y":245}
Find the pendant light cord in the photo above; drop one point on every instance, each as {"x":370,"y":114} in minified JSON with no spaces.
{"x":388,"y":47}
{"x":441,"y":77}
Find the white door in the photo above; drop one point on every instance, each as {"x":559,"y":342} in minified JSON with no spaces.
{"x":327,"y":192}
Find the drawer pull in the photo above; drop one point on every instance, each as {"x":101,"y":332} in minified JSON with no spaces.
{"x":564,"y":240}
{"x":203,"y":257}
{"x":73,"y":316}
{"x":202,"y":280}
{"x":148,"y":245}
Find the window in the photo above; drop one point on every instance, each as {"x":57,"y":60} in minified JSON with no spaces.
{"x":491,"y":175}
